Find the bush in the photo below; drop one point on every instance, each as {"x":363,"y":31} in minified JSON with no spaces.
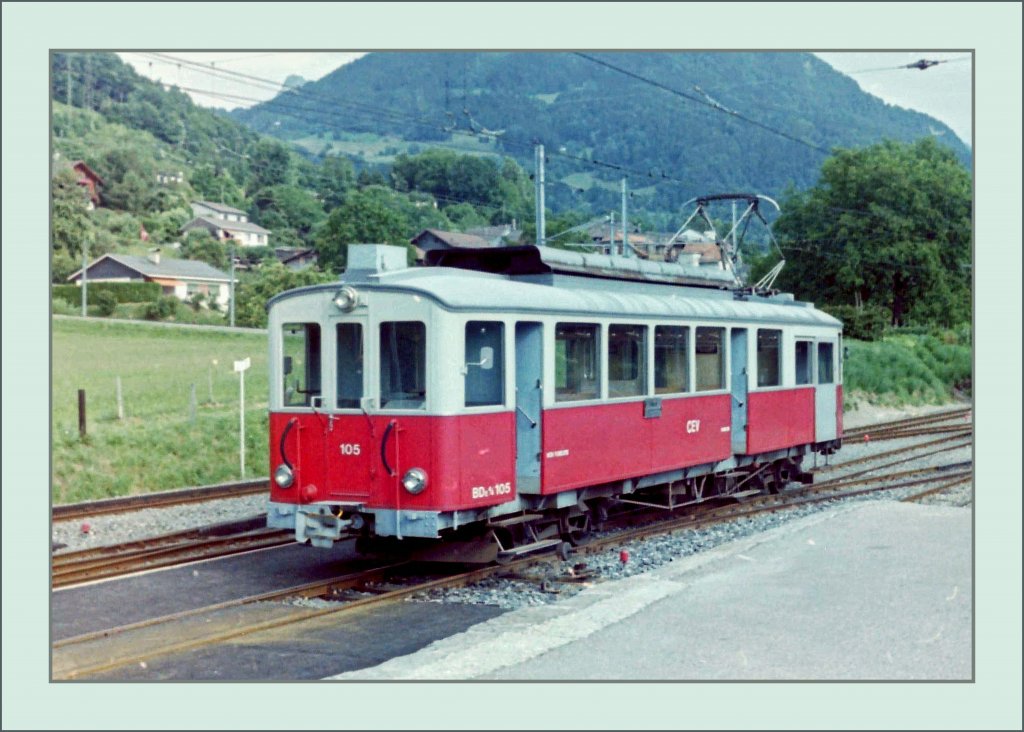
{"x":122,"y":291}
{"x":867,"y":323}
{"x":106,"y":303}
{"x":162,"y":309}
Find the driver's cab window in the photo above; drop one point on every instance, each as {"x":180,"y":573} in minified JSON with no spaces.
{"x":300,"y":349}
{"x":403,"y":365}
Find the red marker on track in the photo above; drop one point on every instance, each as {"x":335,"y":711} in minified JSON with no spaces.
{"x":623,"y":556}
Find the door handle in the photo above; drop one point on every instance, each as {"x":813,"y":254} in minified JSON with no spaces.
{"x":384,"y":445}
{"x":533,"y":424}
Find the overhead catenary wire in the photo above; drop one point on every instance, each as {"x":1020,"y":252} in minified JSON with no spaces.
{"x":704,"y":102}
{"x":395,"y":115}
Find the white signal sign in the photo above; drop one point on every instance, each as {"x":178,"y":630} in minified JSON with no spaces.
{"x":243,"y":365}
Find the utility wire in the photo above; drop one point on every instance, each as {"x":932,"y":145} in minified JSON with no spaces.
{"x":704,"y":102}
{"x":394,"y":115}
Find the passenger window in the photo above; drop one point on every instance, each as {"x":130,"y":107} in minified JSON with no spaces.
{"x":627,"y":360}
{"x":671,"y":359}
{"x":825,"y":363}
{"x":350,"y":365}
{"x":769,"y":356}
{"x":576,"y":364}
{"x":300,"y":368}
{"x":485,"y":363}
{"x":403,"y":365}
{"x":710,"y":361}
{"x":803,"y":362}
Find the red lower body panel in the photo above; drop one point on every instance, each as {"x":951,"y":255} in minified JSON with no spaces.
{"x":779,"y":419}
{"x":469,"y":460}
{"x":595,"y":444}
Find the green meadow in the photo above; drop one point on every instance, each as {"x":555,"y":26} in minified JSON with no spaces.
{"x":159,"y":444}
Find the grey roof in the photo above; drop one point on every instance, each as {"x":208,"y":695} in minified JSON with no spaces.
{"x":456,"y":239}
{"x":465,"y":290}
{"x":178,"y":268}
{"x":228,"y":225}
{"x":220,"y":207}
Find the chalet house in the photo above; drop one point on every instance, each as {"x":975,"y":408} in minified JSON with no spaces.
{"x":226,"y":224}
{"x":166,"y":179}
{"x":430,"y":239}
{"x":89,"y":180}
{"x":218,"y":211}
{"x":182,"y":278}
{"x":294,"y":258}
{"x":499,"y":235}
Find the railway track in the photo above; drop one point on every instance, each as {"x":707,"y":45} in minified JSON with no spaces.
{"x":164,"y":550}
{"x":95,"y":653}
{"x":162,"y":499}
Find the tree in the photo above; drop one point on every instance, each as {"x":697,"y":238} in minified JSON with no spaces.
{"x":200,"y":245}
{"x":337,"y":177}
{"x":217,"y":185}
{"x":297,"y":208}
{"x":271,"y":165}
{"x":366,"y":217}
{"x":886,"y":225}
{"x":252,"y":294}
{"x":71,"y":225}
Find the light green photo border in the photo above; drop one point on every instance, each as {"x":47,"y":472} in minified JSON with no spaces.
{"x":992,"y":30}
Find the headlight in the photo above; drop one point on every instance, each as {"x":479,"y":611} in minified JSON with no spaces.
{"x":346,"y":299}
{"x":283,"y":476}
{"x":415,"y":481}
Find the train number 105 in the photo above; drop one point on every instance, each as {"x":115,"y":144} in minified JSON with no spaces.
{"x":349,"y":448}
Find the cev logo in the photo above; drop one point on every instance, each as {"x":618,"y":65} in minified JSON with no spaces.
{"x":692,"y":426}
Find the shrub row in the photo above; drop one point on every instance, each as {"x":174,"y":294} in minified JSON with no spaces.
{"x":122,"y":291}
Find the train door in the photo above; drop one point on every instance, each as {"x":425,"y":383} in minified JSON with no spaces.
{"x":738,"y":381}
{"x":825,"y":391}
{"x":348,"y":446}
{"x":529,"y":371}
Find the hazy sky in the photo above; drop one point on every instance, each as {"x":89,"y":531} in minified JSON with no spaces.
{"x":943,"y":91}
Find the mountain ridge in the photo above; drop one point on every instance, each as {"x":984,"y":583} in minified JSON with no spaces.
{"x":602,"y":124}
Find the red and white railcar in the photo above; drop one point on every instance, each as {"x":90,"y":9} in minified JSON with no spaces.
{"x":515,"y":394}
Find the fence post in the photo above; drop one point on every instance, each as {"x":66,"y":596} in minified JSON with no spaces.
{"x":120,"y":400}
{"x":81,"y":412}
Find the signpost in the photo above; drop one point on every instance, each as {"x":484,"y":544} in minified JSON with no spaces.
{"x":240,"y":368}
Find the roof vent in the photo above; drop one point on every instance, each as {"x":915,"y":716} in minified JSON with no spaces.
{"x":365,"y":260}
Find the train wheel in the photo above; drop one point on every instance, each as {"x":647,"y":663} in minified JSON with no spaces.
{"x":564,"y":551}
{"x":578,"y":529}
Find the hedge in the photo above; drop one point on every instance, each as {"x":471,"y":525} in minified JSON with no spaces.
{"x":123,"y":291}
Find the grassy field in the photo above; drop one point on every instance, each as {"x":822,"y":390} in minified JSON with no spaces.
{"x":157,"y":446}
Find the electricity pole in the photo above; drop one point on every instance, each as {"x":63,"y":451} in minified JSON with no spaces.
{"x":232,"y":287}
{"x":539,"y":194}
{"x":625,"y":225}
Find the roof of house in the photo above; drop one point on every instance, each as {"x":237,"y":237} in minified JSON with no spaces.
{"x":223,"y":208}
{"x":298,"y":255}
{"x":84,"y":166}
{"x":174,"y":268}
{"x":708,"y":251}
{"x":228,"y":225}
{"x":455,"y":239}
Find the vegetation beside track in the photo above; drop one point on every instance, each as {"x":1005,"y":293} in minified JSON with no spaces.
{"x":909,"y":368}
{"x":157,"y":446}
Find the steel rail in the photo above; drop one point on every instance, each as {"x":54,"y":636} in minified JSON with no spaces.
{"x":123,"y":504}
{"x":94,"y":568}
